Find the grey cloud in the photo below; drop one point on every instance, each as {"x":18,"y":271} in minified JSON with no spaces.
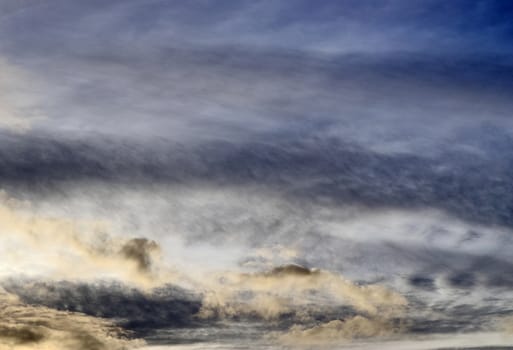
{"x":143,"y":313}
{"x":141,"y":251}
{"x":98,"y":80}
{"x":291,"y":269}
{"x":328,"y":26}
{"x":462,"y":279}
{"x":423,"y":282}
{"x":35,"y":327}
{"x":193,"y":94}
{"x":471,"y":186}
{"x":267,"y":92}
{"x":174,"y":310}
{"x":448,"y":317}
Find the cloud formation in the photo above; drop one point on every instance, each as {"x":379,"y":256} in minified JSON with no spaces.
{"x":227,"y":147}
{"x":25,"y":327}
{"x":141,"y":312}
{"x":57,"y":247}
{"x":339,"y":331}
{"x":292,"y":289}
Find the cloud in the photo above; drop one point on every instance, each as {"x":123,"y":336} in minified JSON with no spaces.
{"x":205,"y":231}
{"x":141,"y":312}
{"x":323,"y":171}
{"x":478,"y":340}
{"x":205,"y":144}
{"x":339,"y":331}
{"x":224,"y":78}
{"x":329,"y":27}
{"x":19,"y":98}
{"x":59,"y":247}
{"x":140,"y":250}
{"x":502,"y":323}
{"x":288,"y":289}
{"x":264,"y":92}
{"x":25,"y":327}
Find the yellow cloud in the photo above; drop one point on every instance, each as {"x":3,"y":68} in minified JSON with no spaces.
{"x":61,"y":248}
{"x":339,"y":331}
{"x":287,"y":288}
{"x":25,"y":327}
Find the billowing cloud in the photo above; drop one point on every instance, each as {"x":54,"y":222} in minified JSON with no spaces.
{"x":25,"y":327}
{"x":140,"y":250}
{"x":140,"y":311}
{"x":291,"y":289}
{"x":57,"y":247}
{"x":340,"y":331}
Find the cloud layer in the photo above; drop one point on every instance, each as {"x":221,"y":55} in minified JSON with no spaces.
{"x":27,"y":327}
{"x":286,"y":172}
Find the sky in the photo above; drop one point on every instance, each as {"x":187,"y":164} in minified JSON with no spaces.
{"x":218,"y":174}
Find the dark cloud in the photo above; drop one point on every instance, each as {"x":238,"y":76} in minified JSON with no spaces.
{"x":422,"y":282}
{"x":472,"y":186}
{"x":36,"y":327}
{"x":192,"y":94}
{"x":140,"y":312}
{"x":292,"y":269}
{"x":462,"y":280}
{"x":21,"y":335}
{"x":140,"y":250}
